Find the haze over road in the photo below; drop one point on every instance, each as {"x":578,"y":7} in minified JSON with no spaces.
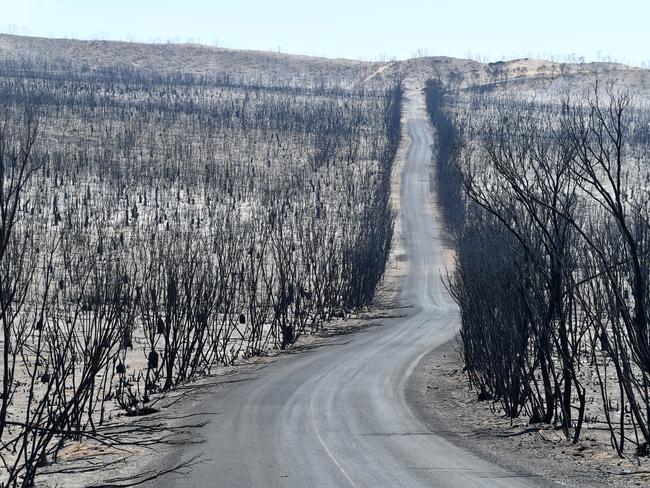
{"x":337,"y":416}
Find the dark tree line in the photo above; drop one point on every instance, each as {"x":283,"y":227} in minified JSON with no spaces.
{"x":447,"y":145}
{"x":155,"y":226}
{"x":552,"y":267}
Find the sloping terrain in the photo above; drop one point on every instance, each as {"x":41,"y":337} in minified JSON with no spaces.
{"x":189,"y":58}
{"x":338,"y":416}
{"x":527,"y":76}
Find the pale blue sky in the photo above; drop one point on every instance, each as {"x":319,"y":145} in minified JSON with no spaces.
{"x":494,"y":29}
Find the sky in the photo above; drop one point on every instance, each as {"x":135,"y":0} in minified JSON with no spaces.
{"x":492,"y":30}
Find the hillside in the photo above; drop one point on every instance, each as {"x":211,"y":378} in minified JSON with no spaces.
{"x":186,"y":58}
{"x":171,"y":212}
{"x":525,"y":76}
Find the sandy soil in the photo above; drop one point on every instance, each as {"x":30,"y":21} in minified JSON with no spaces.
{"x":437,"y":391}
{"x":441,"y":395}
{"x":163,"y":431}
{"x":78,"y":462}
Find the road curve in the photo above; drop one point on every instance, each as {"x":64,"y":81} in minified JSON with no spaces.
{"x":337,"y":416}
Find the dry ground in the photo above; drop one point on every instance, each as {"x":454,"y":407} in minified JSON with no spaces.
{"x":440,"y":393}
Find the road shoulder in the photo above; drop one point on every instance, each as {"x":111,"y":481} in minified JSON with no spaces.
{"x":438,"y":393}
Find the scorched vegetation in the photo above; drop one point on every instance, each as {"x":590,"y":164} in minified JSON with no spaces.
{"x":549,"y":204}
{"x":153,"y":226}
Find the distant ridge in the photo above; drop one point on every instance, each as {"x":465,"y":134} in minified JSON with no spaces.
{"x":524,"y":75}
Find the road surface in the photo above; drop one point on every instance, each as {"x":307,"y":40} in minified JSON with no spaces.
{"x":337,"y":416}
